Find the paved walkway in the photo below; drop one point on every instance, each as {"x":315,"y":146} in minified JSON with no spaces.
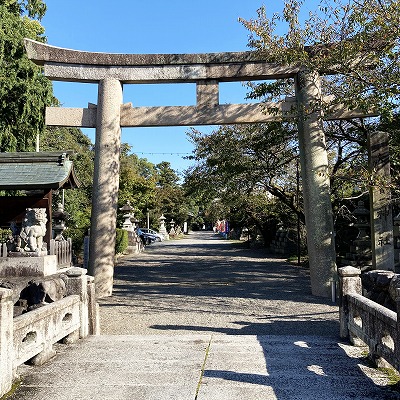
{"x":202,"y":319}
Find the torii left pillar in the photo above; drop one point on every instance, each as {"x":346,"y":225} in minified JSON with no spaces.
{"x":105,"y":186}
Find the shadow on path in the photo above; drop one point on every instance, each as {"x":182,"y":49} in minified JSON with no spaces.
{"x":205,"y":285}
{"x":201,"y":319}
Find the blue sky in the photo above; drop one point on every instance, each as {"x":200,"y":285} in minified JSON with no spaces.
{"x":154,"y":26}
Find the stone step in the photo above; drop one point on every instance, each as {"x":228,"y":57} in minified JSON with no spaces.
{"x":202,"y":367}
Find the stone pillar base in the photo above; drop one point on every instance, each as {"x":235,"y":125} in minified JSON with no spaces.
{"x":28,"y":266}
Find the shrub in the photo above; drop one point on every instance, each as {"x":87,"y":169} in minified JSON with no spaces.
{"x":121,"y":241}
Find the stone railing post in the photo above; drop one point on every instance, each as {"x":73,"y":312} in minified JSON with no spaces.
{"x":349,"y":283}
{"x":93,"y":308}
{"x":397,"y":338}
{"x":77,"y":284}
{"x":6,"y":340}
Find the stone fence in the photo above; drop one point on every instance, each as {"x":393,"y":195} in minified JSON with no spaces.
{"x":31,"y":336}
{"x":62,"y":249}
{"x":364,"y":321}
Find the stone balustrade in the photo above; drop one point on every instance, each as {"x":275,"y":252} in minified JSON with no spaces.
{"x":363,"y":321}
{"x":31,"y":336}
{"x":63,"y":250}
{"x":14,"y":264}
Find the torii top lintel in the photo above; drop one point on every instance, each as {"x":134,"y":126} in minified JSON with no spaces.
{"x":82,"y":66}
{"x":206,"y":70}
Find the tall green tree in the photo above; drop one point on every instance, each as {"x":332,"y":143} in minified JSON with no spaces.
{"x":246,"y":159}
{"x":170,"y":197}
{"x":137,"y":182}
{"x":24,"y":91}
{"x":242,"y":170}
{"x":166,"y":176}
{"x":355,"y":43}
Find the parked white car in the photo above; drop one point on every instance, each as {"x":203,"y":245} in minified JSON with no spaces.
{"x":158,"y":235}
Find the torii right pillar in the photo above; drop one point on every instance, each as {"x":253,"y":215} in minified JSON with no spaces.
{"x":316,"y":184}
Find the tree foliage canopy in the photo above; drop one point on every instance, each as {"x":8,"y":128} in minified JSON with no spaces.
{"x":245,"y":159}
{"x":24,"y":91}
{"x":170,"y":198}
{"x":137,"y":182}
{"x":240,"y":173}
{"x":355,"y":42}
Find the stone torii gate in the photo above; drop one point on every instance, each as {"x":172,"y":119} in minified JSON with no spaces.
{"x":111,"y":71}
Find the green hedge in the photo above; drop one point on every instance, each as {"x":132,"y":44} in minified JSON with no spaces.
{"x":121,"y":241}
{"x":77,"y":236}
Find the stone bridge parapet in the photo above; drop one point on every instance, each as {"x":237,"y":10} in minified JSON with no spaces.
{"x":365,"y":322}
{"x":31,"y":336}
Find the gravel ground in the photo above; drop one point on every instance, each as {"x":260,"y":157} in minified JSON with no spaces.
{"x":203,"y":318}
{"x":205,"y":284}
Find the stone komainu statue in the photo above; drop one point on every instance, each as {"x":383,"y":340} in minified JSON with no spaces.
{"x":33,"y":230}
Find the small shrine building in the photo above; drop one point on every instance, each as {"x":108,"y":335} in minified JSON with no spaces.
{"x":35,"y":175}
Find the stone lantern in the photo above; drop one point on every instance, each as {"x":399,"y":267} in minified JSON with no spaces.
{"x":362,"y":244}
{"x":135,"y":221}
{"x":128,"y":215}
{"x":59,"y":218}
{"x":163,"y":229}
{"x":362,"y":221}
{"x":172,"y":231}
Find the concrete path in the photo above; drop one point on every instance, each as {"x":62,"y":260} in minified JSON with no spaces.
{"x":203,"y":319}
